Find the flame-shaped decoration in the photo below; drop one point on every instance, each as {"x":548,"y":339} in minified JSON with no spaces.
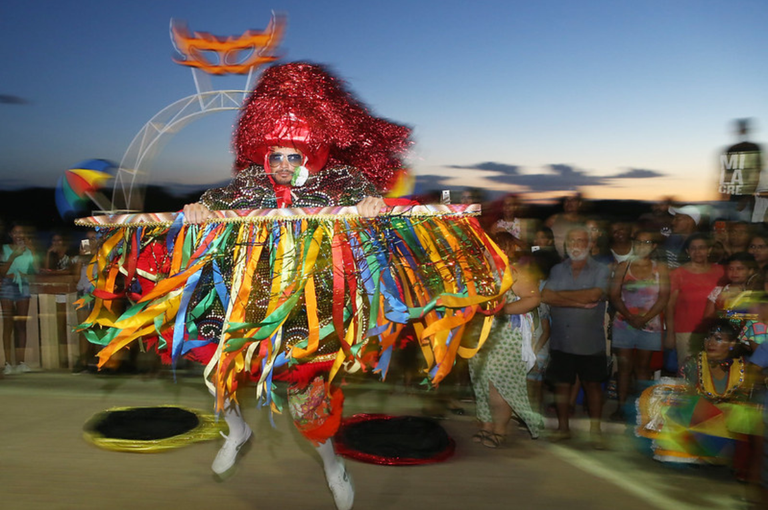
{"x":233,"y":55}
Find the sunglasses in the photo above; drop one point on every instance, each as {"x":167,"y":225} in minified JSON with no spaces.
{"x":276,"y":159}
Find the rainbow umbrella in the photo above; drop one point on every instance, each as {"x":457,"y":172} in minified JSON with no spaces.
{"x":80,"y":185}
{"x":699,"y":428}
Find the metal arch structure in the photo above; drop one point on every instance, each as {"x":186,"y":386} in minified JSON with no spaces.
{"x":133,"y":175}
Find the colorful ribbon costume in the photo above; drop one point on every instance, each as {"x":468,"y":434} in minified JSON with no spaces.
{"x":295,"y":291}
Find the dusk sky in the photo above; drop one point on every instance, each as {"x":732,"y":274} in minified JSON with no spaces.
{"x":624,"y":100}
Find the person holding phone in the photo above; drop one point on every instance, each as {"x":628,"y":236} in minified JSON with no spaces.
{"x":58,"y":259}
{"x":17,"y":262}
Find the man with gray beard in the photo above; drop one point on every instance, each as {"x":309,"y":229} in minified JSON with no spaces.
{"x":576,"y":293}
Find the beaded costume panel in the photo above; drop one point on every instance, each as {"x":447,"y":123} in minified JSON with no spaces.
{"x":252,"y":189}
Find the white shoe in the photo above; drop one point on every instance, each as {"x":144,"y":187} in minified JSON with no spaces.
{"x":341,"y":487}
{"x":226,"y":457}
{"x":22,"y":368}
{"x":8,"y":370}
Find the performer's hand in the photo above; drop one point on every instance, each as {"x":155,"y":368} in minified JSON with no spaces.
{"x":196,"y":213}
{"x":370,"y":206}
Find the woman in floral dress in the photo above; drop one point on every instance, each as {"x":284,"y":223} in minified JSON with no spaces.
{"x":499,"y":370}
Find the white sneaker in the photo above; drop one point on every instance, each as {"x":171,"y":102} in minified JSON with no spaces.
{"x":8,"y":370}
{"x":341,"y":487}
{"x":226,"y":457}
{"x":22,"y":368}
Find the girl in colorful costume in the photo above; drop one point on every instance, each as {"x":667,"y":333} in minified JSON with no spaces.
{"x":700,"y":418}
{"x":300,"y":295}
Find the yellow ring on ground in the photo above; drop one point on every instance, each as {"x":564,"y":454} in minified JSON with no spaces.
{"x":207,"y":429}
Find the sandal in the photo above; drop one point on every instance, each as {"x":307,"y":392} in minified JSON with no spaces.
{"x":493,"y":440}
{"x":481,"y":434}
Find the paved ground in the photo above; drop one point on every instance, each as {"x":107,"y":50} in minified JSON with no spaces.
{"x":46,"y":464}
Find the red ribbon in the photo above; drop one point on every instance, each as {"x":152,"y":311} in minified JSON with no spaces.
{"x":338,"y":285}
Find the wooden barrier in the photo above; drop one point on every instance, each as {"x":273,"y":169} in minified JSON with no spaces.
{"x":58,"y":344}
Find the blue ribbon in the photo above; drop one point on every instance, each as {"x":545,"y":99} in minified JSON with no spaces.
{"x":394,"y":308}
{"x":220,"y":286}
{"x":181,"y":316}
{"x":382,"y":367}
{"x":170,"y":237}
{"x":362,"y":264}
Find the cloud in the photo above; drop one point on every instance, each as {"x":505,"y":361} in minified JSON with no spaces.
{"x":429,"y":182}
{"x":638,"y":173}
{"x":11,"y":99}
{"x":561,"y":178}
{"x":493,"y":167}
{"x":558,"y":177}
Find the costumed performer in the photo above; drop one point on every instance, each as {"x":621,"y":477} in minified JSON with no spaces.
{"x":702,"y":417}
{"x":293,"y":296}
{"x":283,"y":149}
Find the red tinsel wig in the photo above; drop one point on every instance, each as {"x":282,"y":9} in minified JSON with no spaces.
{"x":302,"y":105}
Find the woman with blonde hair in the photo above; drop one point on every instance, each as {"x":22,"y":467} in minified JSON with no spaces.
{"x":499,"y":370}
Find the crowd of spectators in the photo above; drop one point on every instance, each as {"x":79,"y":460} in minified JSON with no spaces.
{"x":626,"y":301}
{"x":27,"y":258}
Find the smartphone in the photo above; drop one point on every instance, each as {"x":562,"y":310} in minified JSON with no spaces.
{"x":85,"y":245}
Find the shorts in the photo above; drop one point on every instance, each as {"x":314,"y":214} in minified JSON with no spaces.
{"x":10,"y":290}
{"x":631,"y":338}
{"x":564,"y":367}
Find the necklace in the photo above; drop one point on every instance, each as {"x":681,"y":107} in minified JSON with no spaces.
{"x":724,"y":364}
{"x":706,"y":385}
